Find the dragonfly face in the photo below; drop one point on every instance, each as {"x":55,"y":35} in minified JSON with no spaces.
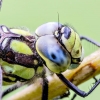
{"x":67,"y":39}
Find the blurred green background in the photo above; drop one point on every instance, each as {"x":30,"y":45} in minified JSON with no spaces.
{"x":84,"y":16}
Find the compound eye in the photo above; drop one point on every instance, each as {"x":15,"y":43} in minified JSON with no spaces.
{"x":66,"y":31}
{"x":56,"y":57}
{"x":4,"y":29}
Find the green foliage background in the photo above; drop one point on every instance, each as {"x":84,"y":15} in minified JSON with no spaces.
{"x":83,"y":15}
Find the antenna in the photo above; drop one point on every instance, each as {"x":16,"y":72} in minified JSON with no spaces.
{"x":58,"y":20}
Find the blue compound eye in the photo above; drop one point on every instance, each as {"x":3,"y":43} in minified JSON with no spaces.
{"x":56,"y":57}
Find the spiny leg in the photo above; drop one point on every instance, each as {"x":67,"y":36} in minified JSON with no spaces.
{"x":90,"y":40}
{"x":76,"y":89}
{"x":93,"y":42}
{"x":12,"y":88}
{"x":74,"y":96}
{"x":20,"y":82}
{"x":44,"y":89}
{"x":17,"y":85}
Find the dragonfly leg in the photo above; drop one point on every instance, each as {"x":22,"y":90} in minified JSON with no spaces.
{"x":75,"y":88}
{"x":45,"y":89}
{"x":90,"y":40}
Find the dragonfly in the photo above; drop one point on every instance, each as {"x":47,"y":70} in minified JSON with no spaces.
{"x":54,"y":46}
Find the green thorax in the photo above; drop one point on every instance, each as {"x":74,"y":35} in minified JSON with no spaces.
{"x":19,"y":59}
